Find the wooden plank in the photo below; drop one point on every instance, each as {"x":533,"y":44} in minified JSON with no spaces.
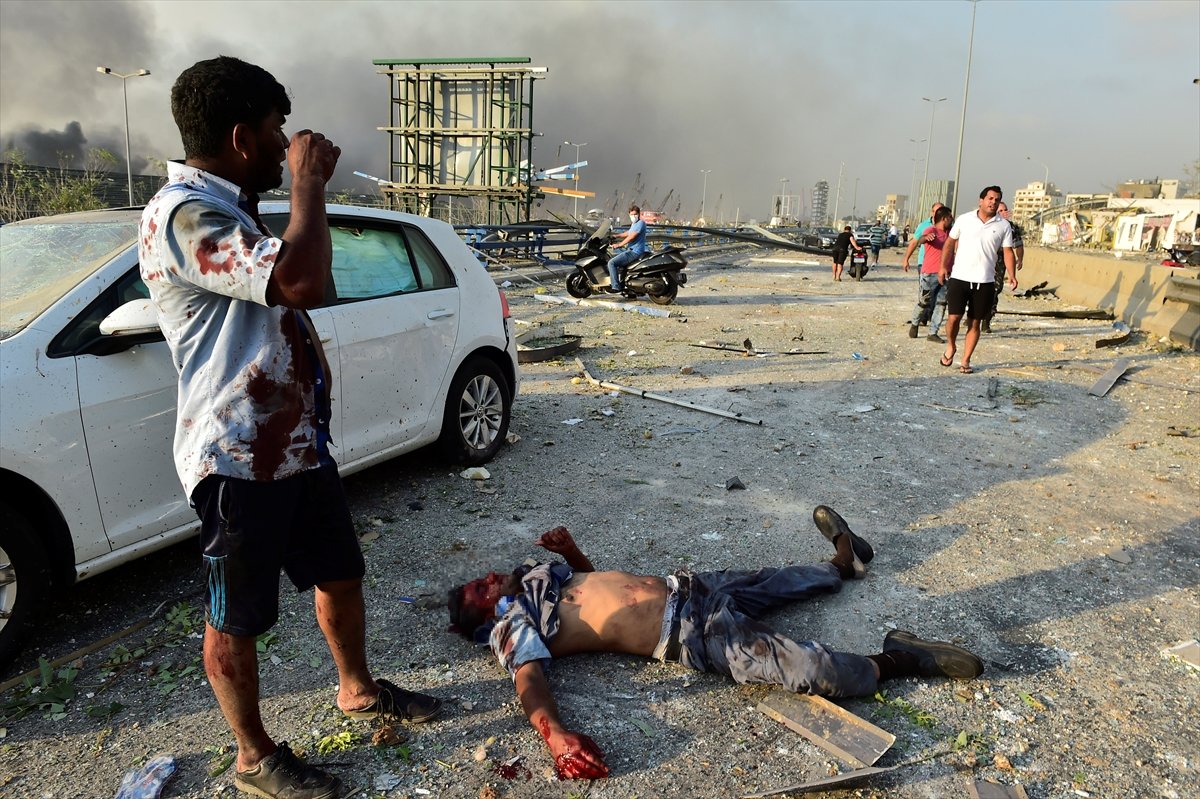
{"x":1101,"y":387}
{"x":991,"y":790}
{"x":833,"y":728}
{"x":825,"y":783}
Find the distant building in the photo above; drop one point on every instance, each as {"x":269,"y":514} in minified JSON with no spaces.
{"x":1033,"y":199}
{"x":1154,"y":189}
{"x":934,"y":191}
{"x":820,"y":203}
{"x":890,"y":211}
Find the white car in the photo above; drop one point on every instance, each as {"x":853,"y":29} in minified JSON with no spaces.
{"x":419,"y":338}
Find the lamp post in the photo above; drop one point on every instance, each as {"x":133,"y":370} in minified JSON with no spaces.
{"x":929,"y":141}
{"x":854,"y":202}
{"x":912,"y":219}
{"x":1046,"y":179}
{"x":783,"y":202}
{"x":913,"y":182}
{"x":704,"y":191}
{"x":576,"y":145}
{"x":125,"y":96}
{"x":962,"y":124}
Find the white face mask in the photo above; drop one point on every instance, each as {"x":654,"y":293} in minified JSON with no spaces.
{"x":633,"y":218}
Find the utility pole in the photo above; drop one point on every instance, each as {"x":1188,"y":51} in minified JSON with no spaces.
{"x":838,"y":200}
{"x":929,"y":147}
{"x":704,"y":192}
{"x":962,"y":124}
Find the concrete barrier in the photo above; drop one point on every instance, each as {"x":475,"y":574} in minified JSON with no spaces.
{"x":1144,"y":295}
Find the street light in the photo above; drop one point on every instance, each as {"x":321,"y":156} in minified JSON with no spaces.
{"x":704,"y":191}
{"x":913,"y":182}
{"x":576,"y":145}
{"x":784,"y":206}
{"x":962,"y":124}
{"x":124,"y":96}
{"x":929,"y":144}
{"x":1046,"y":179}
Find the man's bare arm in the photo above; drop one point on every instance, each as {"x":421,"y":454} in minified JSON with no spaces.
{"x":559,"y":541}
{"x":1010,"y":263}
{"x":912,"y":245}
{"x":947,"y":259}
{"x":303,"y":267}
{"x":576,"y":756}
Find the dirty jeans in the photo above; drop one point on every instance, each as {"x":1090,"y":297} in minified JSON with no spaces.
{"x":931,"y":303}
{"x":720,"y":632}
{"x":614,"y":266}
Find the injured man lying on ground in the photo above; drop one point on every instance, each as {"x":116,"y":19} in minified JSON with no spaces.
{"x":707,"y":621}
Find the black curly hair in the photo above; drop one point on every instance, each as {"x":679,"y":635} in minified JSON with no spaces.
{"x":210,"y":97}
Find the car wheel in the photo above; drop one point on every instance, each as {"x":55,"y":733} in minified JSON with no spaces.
{"x":668,"y":294}
{"x":478,"y":409}
{"x":24,"y":580}
{"x":577,"y":286}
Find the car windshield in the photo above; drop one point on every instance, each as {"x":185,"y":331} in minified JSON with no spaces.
{"x":44,"y":261}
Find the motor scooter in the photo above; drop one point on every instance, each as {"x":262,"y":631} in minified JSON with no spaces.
{"x":858,"y":264}
{"x":657,"y":274}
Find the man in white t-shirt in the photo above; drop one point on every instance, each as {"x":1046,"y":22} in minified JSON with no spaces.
{"x":969,"y":261}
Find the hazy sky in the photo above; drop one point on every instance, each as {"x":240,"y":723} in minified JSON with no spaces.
{"x":1098,"y":92}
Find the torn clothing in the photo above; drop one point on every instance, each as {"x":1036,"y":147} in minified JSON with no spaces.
{"x":527,"y":622}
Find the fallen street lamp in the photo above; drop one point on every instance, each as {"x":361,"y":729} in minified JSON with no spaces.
{"x":141,"y":73}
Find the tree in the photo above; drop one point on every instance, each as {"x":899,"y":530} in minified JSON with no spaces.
{"x":27,"y":190}
{"x":1191,"y":176}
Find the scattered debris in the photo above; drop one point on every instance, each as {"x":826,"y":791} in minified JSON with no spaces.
{"x":735,"y":484}
{"x":757,"y":353}
{"x":1040,"y":288}
{"x":147,"y":782}
{"x":686,"y":370}
{"x":511,"y":438}
{"x":829,"y":726}
{"x":858,"y":356}
{"x":1121,"y":334}
{"x":545,"y":343}
{"x":844,"y":780}
{"x":571,"y":422}
{"x":679,"y":431}
{"x":1119,"y":555}
{"x":858,"y":410}
{"x":992,"y":790}
{"x":637,"y":392}
{"x":475,"y":473}
{"x":386,"y":781}
{"x":1187,"y":652}
{"x":662,"y":313}
{"x":1106,"y":381}
{"x":1139,"y":380}
{"x":956,"y":410}
{"x":1182,"y":431}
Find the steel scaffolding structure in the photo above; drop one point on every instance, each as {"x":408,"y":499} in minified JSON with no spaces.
{"x":460,"y":129}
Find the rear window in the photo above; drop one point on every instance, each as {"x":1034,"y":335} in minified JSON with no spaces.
{"x":42,"y":262}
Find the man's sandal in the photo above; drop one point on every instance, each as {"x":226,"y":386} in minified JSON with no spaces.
{"x":395,"y":703}
{"x":947,"y":362}
{"x":966,"y":370}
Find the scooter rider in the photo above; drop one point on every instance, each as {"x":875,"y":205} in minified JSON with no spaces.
{"x":634,"y":240}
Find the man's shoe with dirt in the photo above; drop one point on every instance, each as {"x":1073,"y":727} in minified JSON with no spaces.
{"x":285,"y":776}
{"x":935,"y":658}
{"x":831,"y":525}
{"x":396,"y":704}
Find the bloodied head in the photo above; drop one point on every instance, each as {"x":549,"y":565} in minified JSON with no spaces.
{"x":225,"y":107}
{"x":473,"y":604}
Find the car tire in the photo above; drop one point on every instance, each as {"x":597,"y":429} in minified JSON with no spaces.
{"x":577,"y":286}
{"x":24,"y":580}
{"x":478,"y":410}
{"x":668,"y":294}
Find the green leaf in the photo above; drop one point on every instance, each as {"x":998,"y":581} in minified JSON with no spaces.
{"x":644,"y":727}
{"x":961,"y":741}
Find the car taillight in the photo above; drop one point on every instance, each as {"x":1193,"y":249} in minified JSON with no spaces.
{"x":504,"y":312}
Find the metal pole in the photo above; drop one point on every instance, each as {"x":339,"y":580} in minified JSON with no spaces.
{"x":962,"y":124}
{"x":576,"y":170}
{"x":125,"y":101}
{"x":854,"y":204}
{"x":928,"y":149}
{"x":838,"y":200}
{"x":704,"y":191}
{"x":783,"y":200}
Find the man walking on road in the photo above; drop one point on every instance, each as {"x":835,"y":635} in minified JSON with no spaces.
{"x":969,"y":259}
{"x":1018,"y":254}
{"x":931,"y":304}
{"x":252,"y":436}
{"x":878,"y":235}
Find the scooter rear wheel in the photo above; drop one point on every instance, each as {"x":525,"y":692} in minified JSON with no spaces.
{"x":577,"y":286}
{"x":668,"y":294}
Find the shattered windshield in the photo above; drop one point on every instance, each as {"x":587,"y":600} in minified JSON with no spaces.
{"x":40,"y":263}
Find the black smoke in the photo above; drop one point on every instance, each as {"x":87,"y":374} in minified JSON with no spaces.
{"x":72,"y":149}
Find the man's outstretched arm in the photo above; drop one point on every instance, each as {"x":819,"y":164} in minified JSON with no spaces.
{"x":560,"y":542}
{"x":576,"y":756}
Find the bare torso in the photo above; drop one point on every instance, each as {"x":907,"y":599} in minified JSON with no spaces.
{"x":610,"y":612}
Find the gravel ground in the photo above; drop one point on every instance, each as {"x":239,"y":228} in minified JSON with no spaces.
{"x":1052,"y":531}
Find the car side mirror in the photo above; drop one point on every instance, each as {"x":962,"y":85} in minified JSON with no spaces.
{"x":134,"y":318}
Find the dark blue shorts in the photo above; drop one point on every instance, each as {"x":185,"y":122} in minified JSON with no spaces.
{"x":249,"y":530}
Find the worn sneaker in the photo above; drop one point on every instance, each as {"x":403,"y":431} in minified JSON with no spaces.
{"x":985,"y":326}
{"x":395,"y":703}
{"x":831,"y":525}
{"x":285,"y":776}
{"x":912,"y":331}
{"x":935,"y":658}
{"x":935,"y":337}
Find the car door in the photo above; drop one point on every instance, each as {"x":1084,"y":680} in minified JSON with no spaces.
{"x":128,"y":403}
{"x":397,"y":317}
